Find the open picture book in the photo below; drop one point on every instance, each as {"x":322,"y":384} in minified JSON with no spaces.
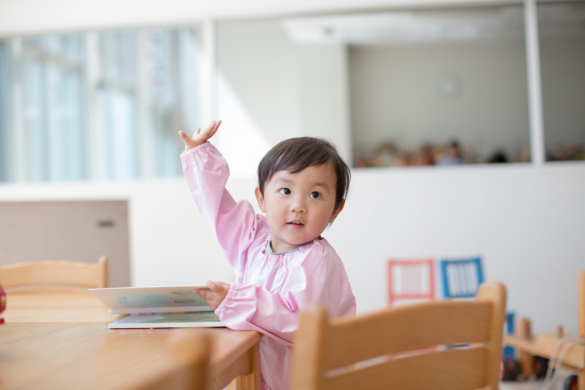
{"x":157,"y":307}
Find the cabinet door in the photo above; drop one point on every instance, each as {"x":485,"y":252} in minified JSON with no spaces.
{"x":72,"y":230}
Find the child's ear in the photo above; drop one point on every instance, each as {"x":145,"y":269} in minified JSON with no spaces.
{"x":336,"y":212}
{"x":260,"y":199}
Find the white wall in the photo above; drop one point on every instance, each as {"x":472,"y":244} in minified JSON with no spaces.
{"x":274,"y":89}
{"x":323,"y":77}
{"x":526,"y":223}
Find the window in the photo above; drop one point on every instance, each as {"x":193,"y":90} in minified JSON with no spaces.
{"x":438,"y":86}
{"x":561,"y":28}
{"x":97,"y":105}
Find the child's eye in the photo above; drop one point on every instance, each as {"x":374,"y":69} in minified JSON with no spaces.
{"x":315,"y":195}
{"x":284,"y":191}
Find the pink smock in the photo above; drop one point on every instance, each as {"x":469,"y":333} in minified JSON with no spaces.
{"x":270,"y":289}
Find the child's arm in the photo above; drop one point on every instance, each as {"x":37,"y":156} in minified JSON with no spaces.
{"x":233,"y":223}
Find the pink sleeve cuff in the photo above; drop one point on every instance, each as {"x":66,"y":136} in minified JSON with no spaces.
{"x":194,"y":150}
{"x":226,"y":301}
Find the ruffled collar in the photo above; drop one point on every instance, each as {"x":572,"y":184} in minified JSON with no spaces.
{"x":268,"y":249}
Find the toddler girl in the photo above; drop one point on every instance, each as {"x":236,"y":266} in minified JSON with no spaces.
{"x":281,"y":262}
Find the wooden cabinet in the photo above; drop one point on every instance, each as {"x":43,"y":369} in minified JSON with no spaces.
{"x":67,"y":230}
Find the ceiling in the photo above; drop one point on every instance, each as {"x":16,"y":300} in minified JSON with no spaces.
{"x":435,"y":25}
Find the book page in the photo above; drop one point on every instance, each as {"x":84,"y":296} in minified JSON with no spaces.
{"x":134,"y":300}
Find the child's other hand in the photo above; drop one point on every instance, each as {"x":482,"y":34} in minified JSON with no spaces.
{"x":200,"y":137}
{"x":215,"y":296}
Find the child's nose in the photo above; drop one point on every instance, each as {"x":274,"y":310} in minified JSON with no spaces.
{"x":298,"y":205}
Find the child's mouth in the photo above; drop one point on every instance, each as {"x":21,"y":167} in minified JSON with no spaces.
{"x":295,"y":223}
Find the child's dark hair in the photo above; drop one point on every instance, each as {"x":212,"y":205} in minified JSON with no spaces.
{"x":296,"y":154}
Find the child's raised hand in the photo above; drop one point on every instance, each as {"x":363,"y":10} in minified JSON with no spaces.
{"x":215,"y":296}
{"x":200,"y":137}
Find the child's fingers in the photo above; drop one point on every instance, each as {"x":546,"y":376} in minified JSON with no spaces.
{"x":214,"y":130}
{"x":186,"y":139}
{"x":211,"y":284}
{"x":210,"y":127}
{"x":217,"y":287}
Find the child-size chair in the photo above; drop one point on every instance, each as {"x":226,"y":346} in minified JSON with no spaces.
{"x":55,"y":273}
{"x":461,"y":277}
{"x":410,"y":280}
{"x":406,"y":333}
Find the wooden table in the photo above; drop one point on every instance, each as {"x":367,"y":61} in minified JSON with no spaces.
{"x":544,"y":345}
{"x":60,"y":340}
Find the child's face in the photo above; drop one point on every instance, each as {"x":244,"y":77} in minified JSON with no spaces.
{"x":298,"y":206}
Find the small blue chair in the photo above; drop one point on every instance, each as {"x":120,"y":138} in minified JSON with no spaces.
{"x":508,"y":351}
{"x":461,"y":277}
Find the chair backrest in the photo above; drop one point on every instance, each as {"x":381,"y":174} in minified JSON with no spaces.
{"x":461,"y":277}
{"x":188,"y":366}
{"x":55,"y":273}
{"x":401,"y":336}
{"x":412,"y":279}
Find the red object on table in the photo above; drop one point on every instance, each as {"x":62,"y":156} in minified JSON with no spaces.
{"x":2,"y":302}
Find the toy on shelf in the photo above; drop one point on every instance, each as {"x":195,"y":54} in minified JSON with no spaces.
{"x":534,"y":353}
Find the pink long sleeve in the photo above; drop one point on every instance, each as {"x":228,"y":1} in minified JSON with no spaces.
{"x":234,"y":224}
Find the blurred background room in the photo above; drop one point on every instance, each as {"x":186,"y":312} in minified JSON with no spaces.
{"x":463,"y":121}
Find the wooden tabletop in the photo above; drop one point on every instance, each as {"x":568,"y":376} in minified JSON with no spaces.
{"x":56,"y":305}
{"x":60,"y":340}
{"x":545,"y":345}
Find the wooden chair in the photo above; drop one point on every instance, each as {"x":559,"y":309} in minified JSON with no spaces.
{"x":187,"y":368}
{"x":55,"y":273}
{"x":323,"y":345}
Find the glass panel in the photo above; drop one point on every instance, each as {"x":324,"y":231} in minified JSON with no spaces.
{"x":66,"y":125}
{"x":54,"y":126}
{"x":438,"y":87}
{"x":68,"y":47}
{"x":171,"y":63}
{"x":117,"y":98}
{"x":35,"y":119}
{"x":118,"y":51}
{"x":561,"y":29}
